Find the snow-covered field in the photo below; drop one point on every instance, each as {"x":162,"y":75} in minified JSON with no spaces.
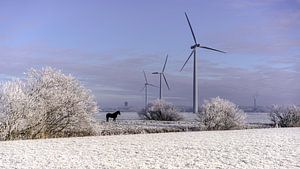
{"x":146,"y":126}
{"x":130,"y":123}
{"x":188,"y":116}
{"x":256,"y":148}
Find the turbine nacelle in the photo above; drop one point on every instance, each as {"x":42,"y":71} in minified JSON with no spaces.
{"x":194,"y":46}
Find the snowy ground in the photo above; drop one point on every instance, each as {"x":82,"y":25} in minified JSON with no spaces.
{"x":130,"y":123}
{"x":188,"y":116}
{"x":256,"y":148}
{"x":147,"y":126}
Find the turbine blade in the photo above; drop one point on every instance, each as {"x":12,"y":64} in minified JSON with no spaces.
{"x":166,"y":81}
{"x":187,"y":18}
{"x":187,"y":60}
{"x":145,"y":77}
{"x":212,"y":49}
{"x":152,"y":85}
{"x":165,"y":64}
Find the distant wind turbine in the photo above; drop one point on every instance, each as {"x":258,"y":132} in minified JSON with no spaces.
{"x":161,"y":74}
{"x":146,"y":89}
{"x":195,"y":81}
{"x":255,"y":102}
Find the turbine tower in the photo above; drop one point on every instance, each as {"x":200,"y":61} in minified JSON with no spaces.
{"x":146,"y":89}
{"x":255,"y":102}
{"x":195,"y":80}
{"x":161,"y":74}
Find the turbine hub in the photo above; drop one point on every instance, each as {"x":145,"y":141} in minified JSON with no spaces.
{"x":194,"y":46}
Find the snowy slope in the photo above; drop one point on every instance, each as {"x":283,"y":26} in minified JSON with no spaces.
{"x":257,"y":148}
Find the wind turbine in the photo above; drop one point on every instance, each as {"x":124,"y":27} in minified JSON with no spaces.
{"x":255,"y":102}
{"x":146,"y":89}
{"x":161,"y":74}
{"x":195,"y":81}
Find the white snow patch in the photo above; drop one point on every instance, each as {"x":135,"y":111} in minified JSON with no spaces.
{"x":256,"y":148}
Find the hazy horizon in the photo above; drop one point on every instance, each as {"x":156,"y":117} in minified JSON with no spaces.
{"x":107,"y":45}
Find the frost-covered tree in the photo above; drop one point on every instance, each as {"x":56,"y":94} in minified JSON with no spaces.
{"x":220,"y":114}
{"x":160,"y":110}
{"x":285,"y":116}
{"x":46,"y":104}
{"x":13,"y":103}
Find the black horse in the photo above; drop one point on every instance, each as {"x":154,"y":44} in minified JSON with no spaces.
{"x":112,"y":115}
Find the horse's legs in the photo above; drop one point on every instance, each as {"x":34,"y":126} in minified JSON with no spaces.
{"x":114,"y":119}
{"x":107,"y":118}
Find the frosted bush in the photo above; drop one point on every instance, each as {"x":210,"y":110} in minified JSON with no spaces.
{"x":160,"y":110}
{"x":46,"y":104}
{"x":285,"y":116}
{"x":220,"y":114}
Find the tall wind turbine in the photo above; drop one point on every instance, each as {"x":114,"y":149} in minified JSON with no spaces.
{"x":255,"y":102}
{"x":195,"y":81}
{"x":161,"y":74}
{"x":146,"y":89}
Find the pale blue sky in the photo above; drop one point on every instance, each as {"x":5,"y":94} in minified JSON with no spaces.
{"x":107,"y":44}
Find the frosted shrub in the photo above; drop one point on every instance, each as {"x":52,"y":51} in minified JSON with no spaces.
{"x":46,"y":104}
{"x":285,"y":116}
{"x":160,"y":110}
{"x":221,"y":114}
